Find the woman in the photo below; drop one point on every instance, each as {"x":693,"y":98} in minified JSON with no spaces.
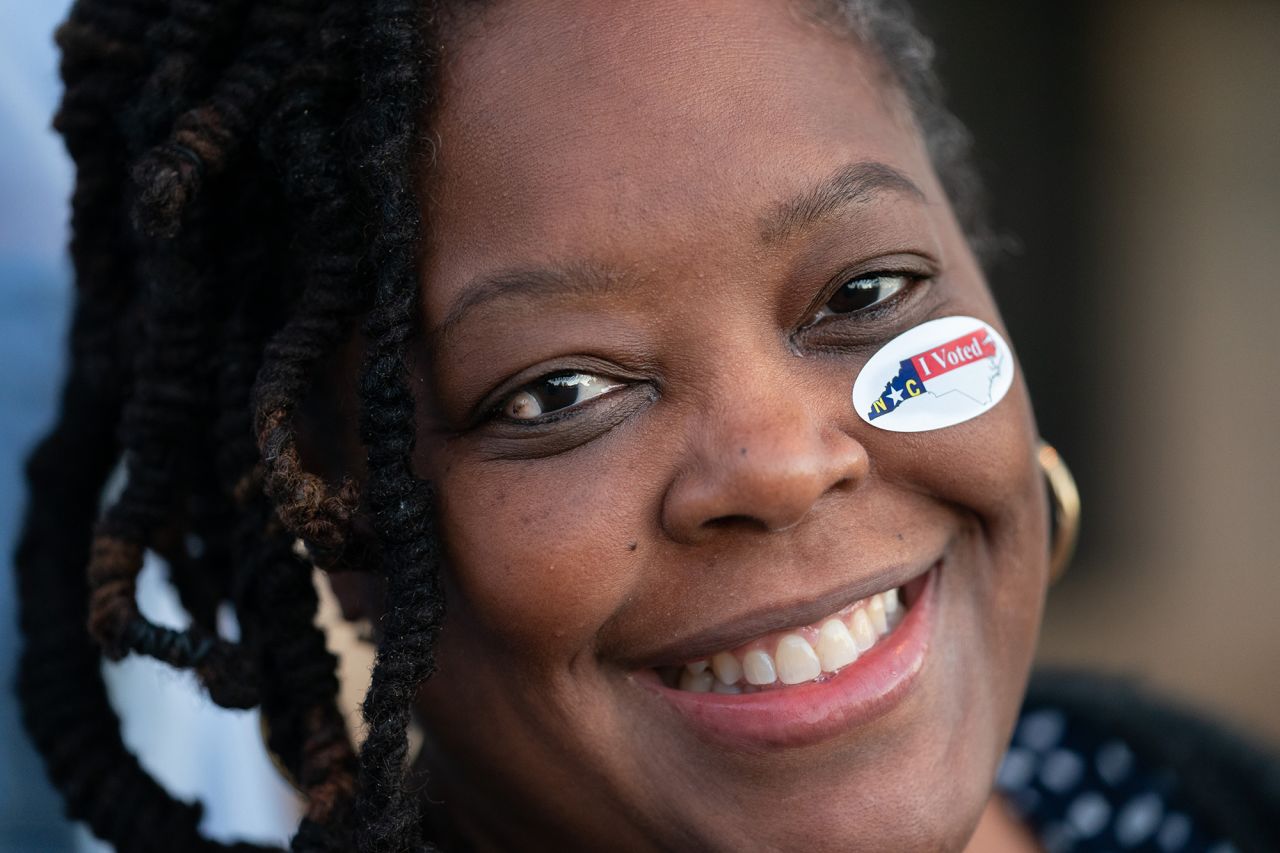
{"x":618,"y":272}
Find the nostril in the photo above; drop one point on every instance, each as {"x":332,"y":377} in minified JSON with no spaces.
{"x":746,"y":522}
{"x":732,"y":521}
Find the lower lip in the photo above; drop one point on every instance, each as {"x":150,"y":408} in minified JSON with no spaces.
{"x":805,"y":714}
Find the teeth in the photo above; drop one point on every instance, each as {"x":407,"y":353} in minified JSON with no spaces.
{"x":758,"y":667}
{"x":891,"y":602}
{"x":864,"y":635}
{"x":697,"y":682}
{"x":797,"y":660}
{"x":892,"y":608}
{"x":837,"y":641}
{"x":726,"y":667}
{"x":879,"y":619}
{"x":835,"y":646}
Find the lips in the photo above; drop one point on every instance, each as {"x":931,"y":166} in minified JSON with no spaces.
{"x":743,"y":629}
{"x":818,"y":703}
{"x":795,"y":655}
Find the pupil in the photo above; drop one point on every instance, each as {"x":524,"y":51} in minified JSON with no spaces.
{"x":559,"y":392}
{"x":854,"y":295}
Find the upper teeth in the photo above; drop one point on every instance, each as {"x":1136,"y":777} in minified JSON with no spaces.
{"x":799,"y":655}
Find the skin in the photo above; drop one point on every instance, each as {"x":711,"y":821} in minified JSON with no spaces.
{"x":728,"y":473}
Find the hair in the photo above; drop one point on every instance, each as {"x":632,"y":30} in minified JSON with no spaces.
{"x":245,"y":186}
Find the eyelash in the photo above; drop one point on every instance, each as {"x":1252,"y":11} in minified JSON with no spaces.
{"x":902,"y":283}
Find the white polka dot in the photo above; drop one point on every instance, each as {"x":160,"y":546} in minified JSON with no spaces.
{"x":1016,"y":770}
{"x":1138,"y":819}
{"x":1114,"y":761}
{"x":1041,"y":730}
{"x":1174,"y":833}
{"x":1062,"y":770}
{"x":1089,"y":813}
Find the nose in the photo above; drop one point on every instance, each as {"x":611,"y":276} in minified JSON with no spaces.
{"x":762,"y":465}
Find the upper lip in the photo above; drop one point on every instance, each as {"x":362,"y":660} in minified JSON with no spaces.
{"x":743,"y":628}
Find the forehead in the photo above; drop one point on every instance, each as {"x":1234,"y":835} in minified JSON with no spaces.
{"x":574,"y":128}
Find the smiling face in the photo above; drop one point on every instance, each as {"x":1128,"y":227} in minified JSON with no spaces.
{"x":664,"y":238}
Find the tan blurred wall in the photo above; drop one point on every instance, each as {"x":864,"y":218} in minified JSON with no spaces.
{"x":1188,"y":246}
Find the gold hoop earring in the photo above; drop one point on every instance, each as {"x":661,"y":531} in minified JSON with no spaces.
{"x":1066,"y":510}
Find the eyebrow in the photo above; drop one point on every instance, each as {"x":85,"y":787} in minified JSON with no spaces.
{"x":529,"y":284}
{"x":854,"y":184}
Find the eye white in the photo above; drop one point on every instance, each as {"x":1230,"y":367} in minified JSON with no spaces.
{"x":555,"y":393}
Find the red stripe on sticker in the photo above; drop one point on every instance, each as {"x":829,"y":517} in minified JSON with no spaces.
{"x":962,"y":351}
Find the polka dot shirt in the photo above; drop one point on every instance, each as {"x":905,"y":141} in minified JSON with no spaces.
{"x":1082,"y":789}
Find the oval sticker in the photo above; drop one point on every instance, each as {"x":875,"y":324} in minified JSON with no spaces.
{"x":939,"y":374}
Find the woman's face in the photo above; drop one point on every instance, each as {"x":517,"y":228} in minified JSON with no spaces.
{"x":651,"y":280}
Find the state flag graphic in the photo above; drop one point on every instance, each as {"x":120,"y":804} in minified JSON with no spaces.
{"x":965,"y":350}
{"x":937,"y":374}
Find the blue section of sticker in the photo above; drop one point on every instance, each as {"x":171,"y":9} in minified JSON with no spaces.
{"x":906,"y":385}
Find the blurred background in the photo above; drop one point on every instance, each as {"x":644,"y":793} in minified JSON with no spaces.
{"x":1132,"y":151}
{"x":1132,"y":148}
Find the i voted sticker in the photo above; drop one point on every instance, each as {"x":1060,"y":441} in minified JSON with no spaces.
{"x":939,"y":374}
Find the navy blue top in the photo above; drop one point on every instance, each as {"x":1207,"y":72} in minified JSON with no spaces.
{"x":1082,"y":788}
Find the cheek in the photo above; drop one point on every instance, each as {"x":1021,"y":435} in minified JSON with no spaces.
{"x":986,"y":470}
{"x":994,"y":474}
{"x":984,"y":467}
{"x":540,"y":558}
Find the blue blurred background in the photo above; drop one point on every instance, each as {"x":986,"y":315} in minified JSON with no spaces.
{"x":197,"y":750}
{"x":35,"y":179}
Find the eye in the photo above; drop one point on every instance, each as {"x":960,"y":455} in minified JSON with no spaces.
{"x":555,"y":392}
{"x":863,"y":292}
